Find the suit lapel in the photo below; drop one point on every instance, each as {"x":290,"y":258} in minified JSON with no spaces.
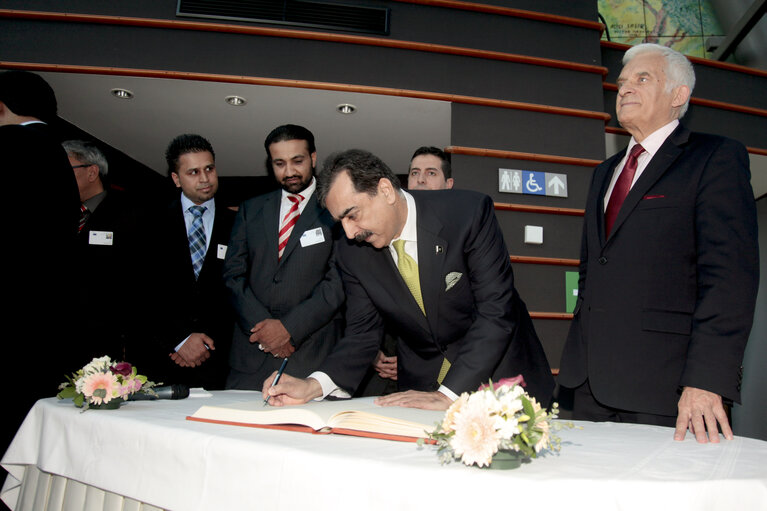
{"x":603,"y":175}
{"x":432,"y":250}
{"x":271,"y":218}
{"x":178,"y":228}
{"x":305,"y":220}
{"x":660,"y":163}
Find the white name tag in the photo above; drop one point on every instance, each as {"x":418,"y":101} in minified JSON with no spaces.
{"x":221,"y":252}
{"x":100,"y":237}
{"x":312,"y":237}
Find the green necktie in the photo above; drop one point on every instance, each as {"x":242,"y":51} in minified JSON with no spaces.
{"x":408,"y":268}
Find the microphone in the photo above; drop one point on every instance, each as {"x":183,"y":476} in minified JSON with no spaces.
{"x":175,"y":391}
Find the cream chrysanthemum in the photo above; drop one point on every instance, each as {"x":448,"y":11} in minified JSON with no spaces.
{"x":97,"y":381}
{"x":475,"y":439}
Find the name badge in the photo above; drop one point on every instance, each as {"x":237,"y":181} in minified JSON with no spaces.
{"x":100,"y":237}
{"x":221,"y":252}
{"x":312,"y":237}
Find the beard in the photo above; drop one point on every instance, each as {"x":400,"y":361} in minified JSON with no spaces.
{"x":297,"y":186}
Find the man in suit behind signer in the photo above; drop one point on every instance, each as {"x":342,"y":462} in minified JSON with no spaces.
{"x":431,"y":267}
{"x":283,"y":285}
{"x":669,"y":264}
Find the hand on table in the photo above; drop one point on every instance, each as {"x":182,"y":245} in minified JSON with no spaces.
{"x":291,"y":390}
{"x":416,"y":399}
{"x":385,"y":366}
{"x":194,"y":351}
{"x":700,"y":411}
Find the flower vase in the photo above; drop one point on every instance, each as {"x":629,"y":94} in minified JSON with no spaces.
{"x":113,"y":404}
{"x":506,"y":460}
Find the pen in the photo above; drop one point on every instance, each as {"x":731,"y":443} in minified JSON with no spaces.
{"x":277,"y":378}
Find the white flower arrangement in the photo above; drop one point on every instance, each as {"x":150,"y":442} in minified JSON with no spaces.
{"x":497,"y":419}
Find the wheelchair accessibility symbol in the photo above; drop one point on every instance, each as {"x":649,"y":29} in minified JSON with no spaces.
{"x":535,"y":182}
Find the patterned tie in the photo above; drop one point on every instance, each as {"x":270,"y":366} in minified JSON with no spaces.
{"x":291,"y":217}
{"x":197,"y":240}
{"x":84,"y":214}
{"x":621,"y":188}
{"x":408,"y":268}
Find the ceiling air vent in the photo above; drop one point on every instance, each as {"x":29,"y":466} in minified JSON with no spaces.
{"x":374,"y":20}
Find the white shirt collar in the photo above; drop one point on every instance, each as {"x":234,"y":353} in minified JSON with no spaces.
{"x":653,"y":141}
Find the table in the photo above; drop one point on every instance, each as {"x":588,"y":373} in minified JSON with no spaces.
{"x":148,"y":452}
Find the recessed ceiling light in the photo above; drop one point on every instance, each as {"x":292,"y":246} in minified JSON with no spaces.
{"x":122,"y":93}
{"x":346,"y":108}
{"x":235,"y":100}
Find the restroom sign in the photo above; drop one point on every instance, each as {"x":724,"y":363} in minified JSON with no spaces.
{"x":529,"y":182}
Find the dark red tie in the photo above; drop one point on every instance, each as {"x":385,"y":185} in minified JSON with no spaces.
{"x":621,"y":188}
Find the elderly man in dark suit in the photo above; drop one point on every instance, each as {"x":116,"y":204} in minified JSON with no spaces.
{"x":669,"y":264}
{"x":188,"y":338}
{"x":284,"y":288}
{"x":433,"y":268}
{"x":108,"y":228}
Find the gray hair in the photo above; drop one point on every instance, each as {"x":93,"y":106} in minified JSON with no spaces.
{"x":678,"y":69}
{"x":87,"y":152}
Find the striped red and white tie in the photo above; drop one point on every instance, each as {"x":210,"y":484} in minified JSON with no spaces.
{"x":291,"y":217}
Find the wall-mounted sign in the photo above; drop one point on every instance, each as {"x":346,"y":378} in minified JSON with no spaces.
{"x":529,"y":182}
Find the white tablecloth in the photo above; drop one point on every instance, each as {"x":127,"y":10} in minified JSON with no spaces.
{"x":147,"y":451}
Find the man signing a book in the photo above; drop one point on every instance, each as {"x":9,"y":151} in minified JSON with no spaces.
{"x":433,"y":269}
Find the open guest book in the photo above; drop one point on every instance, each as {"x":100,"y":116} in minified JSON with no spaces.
{"x":358,"y":417}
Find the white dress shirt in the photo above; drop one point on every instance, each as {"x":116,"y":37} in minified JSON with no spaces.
{"x":651,"y":144}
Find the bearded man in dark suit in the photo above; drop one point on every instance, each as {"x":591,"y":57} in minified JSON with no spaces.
{"x":669,"y":264}
{"x":432,"y":267}
{"x":283,"y":285}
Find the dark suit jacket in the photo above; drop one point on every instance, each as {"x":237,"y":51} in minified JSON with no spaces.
{"x":302,"y":290}
{"x":104,"y":275}
{"x":181,"y":305}
{"x":480,"y":323}
{"x":41,"y":228}
{"x":668,"y":299}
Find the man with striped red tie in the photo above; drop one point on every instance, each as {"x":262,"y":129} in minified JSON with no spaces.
{"x":284,"y":287}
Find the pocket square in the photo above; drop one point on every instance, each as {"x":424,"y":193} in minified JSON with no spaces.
{"x":648,"y":197}
{"x":452,"y":279}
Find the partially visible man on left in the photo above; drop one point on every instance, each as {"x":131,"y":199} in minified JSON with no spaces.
{"x":43,"y":209}
{"x":188,"y":338}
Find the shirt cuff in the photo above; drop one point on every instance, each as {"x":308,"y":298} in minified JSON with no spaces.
{"x":449,"y":393}
{"x":182,"y":343}
{"x":329,"y":388}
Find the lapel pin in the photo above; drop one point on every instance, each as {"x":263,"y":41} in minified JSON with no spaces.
{"x":438,"y":249}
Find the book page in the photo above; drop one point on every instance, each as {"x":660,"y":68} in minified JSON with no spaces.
{"x":356,"y":414}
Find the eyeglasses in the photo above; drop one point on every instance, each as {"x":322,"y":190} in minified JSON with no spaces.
{"x":80,"y":166}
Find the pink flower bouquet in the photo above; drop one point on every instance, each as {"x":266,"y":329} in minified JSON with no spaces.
{"x":102,"y":382}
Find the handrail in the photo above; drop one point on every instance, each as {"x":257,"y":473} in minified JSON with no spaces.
{"x":300,"y":34}
{"x":516,"y":155}
{"x":526,"y":208}
{"x":305,"y":84}
{"x":509,"y":11}
{"x":550,"y":261}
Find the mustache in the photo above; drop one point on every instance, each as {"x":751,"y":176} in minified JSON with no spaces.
{"x":359,"y":238}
